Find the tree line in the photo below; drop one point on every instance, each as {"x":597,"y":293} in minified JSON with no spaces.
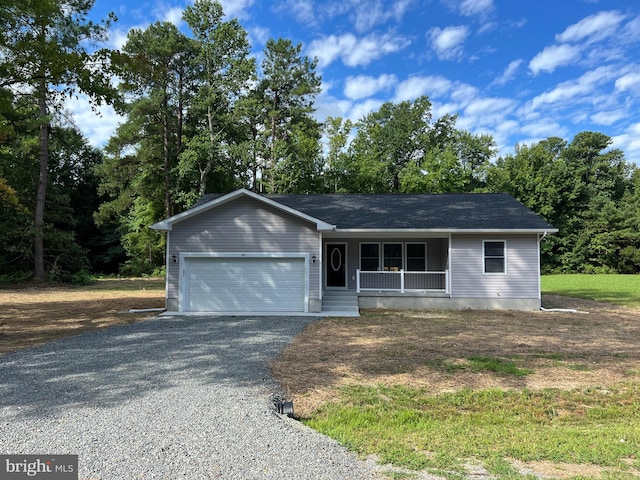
{"x":203,"y":114}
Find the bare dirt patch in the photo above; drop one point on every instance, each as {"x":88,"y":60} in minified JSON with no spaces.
{"x":34,"y":315}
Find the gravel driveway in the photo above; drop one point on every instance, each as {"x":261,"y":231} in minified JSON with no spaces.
{"x":172,"y":397}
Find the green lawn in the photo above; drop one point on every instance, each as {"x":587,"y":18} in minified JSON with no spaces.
{"x":618,"y":289}
{"x":410,"y":428}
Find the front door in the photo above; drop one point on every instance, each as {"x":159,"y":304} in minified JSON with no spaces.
{"x":336,"y":262}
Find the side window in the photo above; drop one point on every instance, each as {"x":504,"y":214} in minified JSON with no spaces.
{"x":495,"y":256}
{"x":369,"y":257}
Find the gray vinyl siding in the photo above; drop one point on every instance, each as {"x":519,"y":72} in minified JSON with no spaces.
{"x":468,"y":279}
{"x":437,"y":251}
{"x":243,"y":225}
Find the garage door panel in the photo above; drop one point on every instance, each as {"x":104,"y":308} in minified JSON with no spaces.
{"x":244,"y":284}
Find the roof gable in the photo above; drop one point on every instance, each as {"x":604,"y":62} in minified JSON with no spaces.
{"x":213,"y":201}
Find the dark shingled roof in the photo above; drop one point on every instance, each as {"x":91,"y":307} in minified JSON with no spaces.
{"x":465,"y":211}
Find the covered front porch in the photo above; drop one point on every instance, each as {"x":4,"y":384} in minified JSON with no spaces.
{"x":414,"y":266}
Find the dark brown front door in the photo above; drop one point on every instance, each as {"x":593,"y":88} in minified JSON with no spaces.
{"x":336,"y":263}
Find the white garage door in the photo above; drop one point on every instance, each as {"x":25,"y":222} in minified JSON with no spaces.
{"x":230,"y":284}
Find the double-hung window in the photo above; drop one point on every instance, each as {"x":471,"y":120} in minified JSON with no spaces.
{"x":416,"y":257}
{"x":495,"y":256}
{"x":369,"y":257}
{"x":392,"y":257}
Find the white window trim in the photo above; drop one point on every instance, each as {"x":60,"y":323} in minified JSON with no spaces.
{"x":406,"y":255}
{"x":506,"y":263}
{"x":381,"y":254}
{"x":402,"y":255}
{"x":360,"y":254}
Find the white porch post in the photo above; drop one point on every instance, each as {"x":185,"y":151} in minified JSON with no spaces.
{"x":321,"y":279}
{"x":449,"y":269}
{"x":358,"y":280}
{"x":401,"y":281}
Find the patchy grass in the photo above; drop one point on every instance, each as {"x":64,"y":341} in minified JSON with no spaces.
{"x":497,"y":365}
{"x":516,"y":395}
{"x":617,"y":289}
{"x":33,"y":315}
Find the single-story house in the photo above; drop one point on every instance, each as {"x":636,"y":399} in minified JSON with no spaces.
{"x":243,"y":252}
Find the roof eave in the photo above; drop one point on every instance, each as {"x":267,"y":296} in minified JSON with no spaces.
{"x":445,"y":230}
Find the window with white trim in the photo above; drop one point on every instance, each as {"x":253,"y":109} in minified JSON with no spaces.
{"x":393,"y":257}
{"x":392,"y":261}
{"x":495,"y":256}
{"x":416,"y":257}
{"x":369,"y":257}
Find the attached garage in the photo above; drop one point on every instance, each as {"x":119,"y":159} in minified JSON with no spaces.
{"x":244,"y":283}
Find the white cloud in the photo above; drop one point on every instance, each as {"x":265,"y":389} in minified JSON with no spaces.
{"x":439,"y":110}
{"x":509,"y":73}
{"x":259,"y":35}
{"x":447,"y":42}
{"x":117,"y":38}
{"x":353,"y":51}
{"x":552,"y":57}
{"x":374,"y":46}
{"x":630,"y":81}
{"x":302,"y":10}
{"x":363,"y":86}
{"x":365,"y":14}
{"x":631,"y":31}
{"x":488,"y":106}
{"x":163,"y":12}
{"x":96,"y":127}
{"x":414,"y":87}
{"x":608,"y":118}
{"x":173,"y":15}
{"x":598,"y":26}
{"x":330,"y":106}
{"x":629,"y":143}
{"x":543,"y":129}
{"x":482,"y":114}
{"x":332,"y":47}
{"x":236,"y":8}
{"x":470,"y":8}
{"x":464,"y":93}
{"x":359,"y":110}
{"x":374,"y":12}
{"x":505,"y":129}
{"x":583,"y":87}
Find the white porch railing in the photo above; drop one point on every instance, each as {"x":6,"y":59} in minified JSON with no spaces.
{"x":402,"y":281}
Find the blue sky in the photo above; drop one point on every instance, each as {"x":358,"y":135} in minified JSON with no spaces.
{"x":519,"y":70}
